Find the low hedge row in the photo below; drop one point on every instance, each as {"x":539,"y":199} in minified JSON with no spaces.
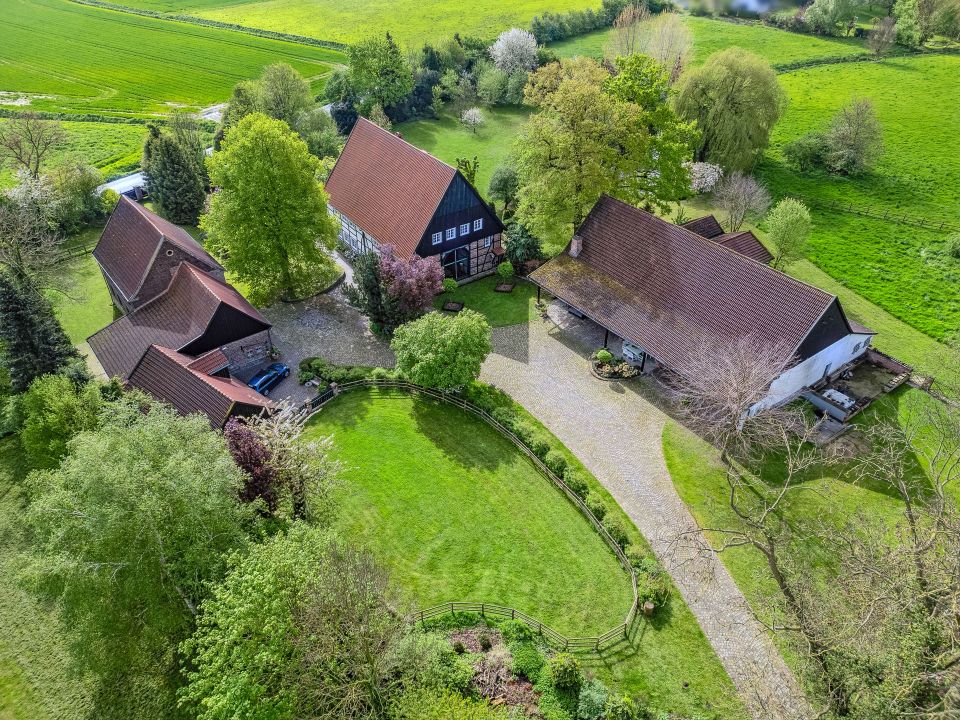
{"x":317,"y":368}
{"x":193,"y":20}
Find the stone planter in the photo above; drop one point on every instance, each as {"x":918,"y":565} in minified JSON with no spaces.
{"x":648,"y":608}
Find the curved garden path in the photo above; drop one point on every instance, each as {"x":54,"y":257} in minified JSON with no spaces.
{"x":616,"y":432}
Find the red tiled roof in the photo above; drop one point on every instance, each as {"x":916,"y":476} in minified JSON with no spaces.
{"x":180,"y":314}
{"x":210,"y":362}
{"x":131,"y":240}
{"x":666,"y":288}
{"x":706,"y":226}
{"x":174,"y":378}
{"x":387,"y":187}
{"x":745,"y":243}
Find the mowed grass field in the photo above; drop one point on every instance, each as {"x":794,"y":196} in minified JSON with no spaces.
{"x":902,"y":268}
{"x":409,"y":21}
{"x":74,"y":58}
{"x":455,"y":512}
{"x":710,"y":35}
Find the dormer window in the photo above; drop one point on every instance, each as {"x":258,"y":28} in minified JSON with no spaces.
{"x":436,"y":238}
{"x":451,"y":233}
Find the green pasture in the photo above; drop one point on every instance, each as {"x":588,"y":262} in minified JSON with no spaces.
{"x":347,"y":21}
{"x":62,"y":56}
{"x":900,"y":267}
{"x":711,"y":35}
{"x":457,"y":513}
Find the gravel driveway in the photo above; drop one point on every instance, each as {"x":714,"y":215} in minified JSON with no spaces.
{"x":615,"y":429}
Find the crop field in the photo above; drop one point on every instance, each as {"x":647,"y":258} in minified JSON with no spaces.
{"x":902,"y":268}
{"x":409,"y":21}
{"x":60,"y":56}
{"x":709,"y":36}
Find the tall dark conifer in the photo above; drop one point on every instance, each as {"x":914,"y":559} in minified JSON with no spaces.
{"x":174,"y":178}
{"x":32,"y":342}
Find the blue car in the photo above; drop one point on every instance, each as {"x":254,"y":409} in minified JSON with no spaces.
{"x":268,"y":378}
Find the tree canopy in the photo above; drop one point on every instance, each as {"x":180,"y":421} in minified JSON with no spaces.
{"x":736,"y":100}
{"x":379,"y":72}
{"x":441,"y":351}
{"x":269,"y":219}
{"x":174,"y":176}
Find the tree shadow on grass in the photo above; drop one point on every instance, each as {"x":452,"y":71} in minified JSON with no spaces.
{"x":461,"y":436}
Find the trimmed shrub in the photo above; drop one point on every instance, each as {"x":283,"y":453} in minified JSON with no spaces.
{"x":449,"y":285}
{"x":459,"y":648}
{"x":527,"y":660}
{"x":574,"y":480}
{"x":485,"y":642}
{"x":505,"y":269}
{"x":556,"y":462}
{"x":596,"y":505}
{"x":652,"y":583}
{"x":603,"y":356}
{"x":593,"y":700}
{"x":623,"y":708}
{"x":516,"y":631}
{"x":616,"y":530}
{"x":635,"y":555}
{"x":566,"y":672}
{"x":540,"y":445}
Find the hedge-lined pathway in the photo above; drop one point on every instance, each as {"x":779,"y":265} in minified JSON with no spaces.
{"x":616,"y":432}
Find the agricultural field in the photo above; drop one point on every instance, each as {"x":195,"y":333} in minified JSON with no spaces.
{"x":709,"y":36}
{"x":60,"y":56}
{"x":113,"y":148}
{"x":457,"y":513}
{"x":902,"y":268}
{"x":410,"y":22}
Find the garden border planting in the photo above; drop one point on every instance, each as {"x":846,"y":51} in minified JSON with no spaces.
{"x":591,"y":643}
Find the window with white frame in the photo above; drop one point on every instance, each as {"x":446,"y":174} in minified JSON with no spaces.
{"x":451,"y":233}
{"x":436,"y":238}
{"x":478,"y":224}
{"x":487,"y":242}
{"x":465,"y":229}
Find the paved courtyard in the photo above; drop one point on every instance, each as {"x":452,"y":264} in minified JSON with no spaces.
{"x":615,"y":428}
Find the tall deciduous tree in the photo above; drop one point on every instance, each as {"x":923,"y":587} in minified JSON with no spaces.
{"x":582,"y":142}
{"x":269,"y":220}
{"x":174,"y":177}
{"x":855,"y":139}
{"x":137,"y":519}
{"x":284,"y":94}
{"x":53,"y":410}
{"x":736,"y":100}
{"x":504,"y":185}
{"x":664,"y":176}
{"x":26,"y":141}
{"x":788,"y":227}
{"x":441,"y":351}
{"x":379,"y":71}
{"x":514,"y":49}
{"x":742,"y":197}
{"x":32,"y":341}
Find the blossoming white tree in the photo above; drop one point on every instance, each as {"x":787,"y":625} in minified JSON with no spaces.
{"x":472,"y":118}
{"x":515,"y":49}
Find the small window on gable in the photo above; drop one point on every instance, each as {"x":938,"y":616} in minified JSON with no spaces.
{"x":465,"y":229}
{"x":487,"y":242}
{"x":451,"y":233}
{"x":478,"y":224}
{"x":436,"y":238}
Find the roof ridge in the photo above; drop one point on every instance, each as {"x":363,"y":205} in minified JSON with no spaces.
{"x":708,"y":242}
{"x":406,"y":142}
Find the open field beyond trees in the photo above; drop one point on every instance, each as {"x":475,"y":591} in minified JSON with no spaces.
{"x":457,"y":513}
{"x":347,"y":21}
{"x":66,"y":57}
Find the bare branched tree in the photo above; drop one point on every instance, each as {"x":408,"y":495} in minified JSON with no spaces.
{"x":625,"y":39}
{"x":345,"y":630}
{"x":742,"y":197}
{"x":304,"y":467}
{"x":26,"y":141}
{"x":663,"y":37}
{"x":883,"y":35}
{"x":29,"y":247}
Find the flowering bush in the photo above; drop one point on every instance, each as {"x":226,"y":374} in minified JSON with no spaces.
{"x":703,"y":176}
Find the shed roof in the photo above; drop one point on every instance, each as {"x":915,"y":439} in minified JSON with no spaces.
{"x":745,"y":243}
{"x":179,"y":315}
{"x":666,"y":288}
{"x":707,"y":226}
{"x":176,"y":378}
{"x":387,"y":187}
{"x":130,"y":243}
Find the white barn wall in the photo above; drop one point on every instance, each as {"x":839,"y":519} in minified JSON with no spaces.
{"x":813,"y":368}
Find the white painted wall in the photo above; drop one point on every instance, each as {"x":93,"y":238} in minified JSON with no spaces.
{"x":813,"y":368}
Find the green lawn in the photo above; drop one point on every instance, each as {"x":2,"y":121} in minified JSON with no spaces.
{"x":81,"y":300}
{"x":499,"y":308}
{"x":901,"y":268}
{"x":448,"y":140}
{"x":75,"y":58}
{"x":457,"y":513}
{"x":35,"y":681}
{"x":347,"y":21}
{"x":710,"y":35}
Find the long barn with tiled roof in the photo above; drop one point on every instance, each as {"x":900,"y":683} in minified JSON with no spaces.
{"x":385,"y":192}
{"x":664,"y":289}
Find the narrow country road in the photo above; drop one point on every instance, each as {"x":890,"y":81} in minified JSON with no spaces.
{"x":616,"y":432}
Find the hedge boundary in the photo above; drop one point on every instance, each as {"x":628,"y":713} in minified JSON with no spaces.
{"x":204,"y":22}
{"x":588,"y":643}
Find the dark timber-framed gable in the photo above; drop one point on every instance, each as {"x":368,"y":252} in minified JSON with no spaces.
{"x":460,"y":205}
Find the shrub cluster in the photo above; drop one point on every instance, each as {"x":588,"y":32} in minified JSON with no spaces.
{"x":319,"y":368}
{"x":550,"y":26}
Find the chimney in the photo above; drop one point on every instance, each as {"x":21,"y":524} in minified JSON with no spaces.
{"x":576,"y":246}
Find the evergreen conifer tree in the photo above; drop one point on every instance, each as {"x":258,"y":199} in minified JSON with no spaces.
{"x":32,"y":341}
{"x":174,"y":177}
